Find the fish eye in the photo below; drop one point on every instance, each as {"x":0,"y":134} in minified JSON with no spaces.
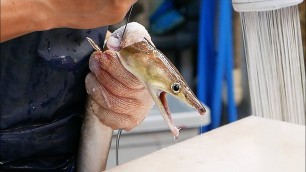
{"x":176,"y":87}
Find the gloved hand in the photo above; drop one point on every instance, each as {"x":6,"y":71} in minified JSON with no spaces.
{"x":116,"y":96}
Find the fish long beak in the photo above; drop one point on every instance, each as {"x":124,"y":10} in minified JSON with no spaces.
{"x":192,"y":101}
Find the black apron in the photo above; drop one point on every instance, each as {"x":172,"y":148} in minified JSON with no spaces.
{"x":42,"y":98}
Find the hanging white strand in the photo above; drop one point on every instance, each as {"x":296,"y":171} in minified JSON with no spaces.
{"x":274,"y":55}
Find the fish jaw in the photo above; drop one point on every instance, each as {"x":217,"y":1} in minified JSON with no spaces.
{"x":160,"y":100}
{"x":187,"y":96}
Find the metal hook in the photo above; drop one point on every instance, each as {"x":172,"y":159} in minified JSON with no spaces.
{"x":127,"y":22}
{"x":93,"y":44}
{"x":149,"y":43}
{"x":117,"y":146}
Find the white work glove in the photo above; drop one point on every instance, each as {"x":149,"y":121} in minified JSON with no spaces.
{"x":116,"y":96}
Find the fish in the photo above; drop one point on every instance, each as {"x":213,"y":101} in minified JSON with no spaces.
{"x":138,"y":55}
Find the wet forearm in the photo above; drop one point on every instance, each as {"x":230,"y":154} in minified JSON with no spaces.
{"x":22,"y":17}
{"x":19,"y":17}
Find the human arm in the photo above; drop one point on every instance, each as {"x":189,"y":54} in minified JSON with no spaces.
{"x":21,"y":17}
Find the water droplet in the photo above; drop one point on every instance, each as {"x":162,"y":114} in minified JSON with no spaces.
{"x":49,"y":46}
{"x":93,"y":90}
{"x":43,"y":104}
{"x":201,"y":129}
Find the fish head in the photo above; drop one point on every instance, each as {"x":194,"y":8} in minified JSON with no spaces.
{"x":160,"y":77}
